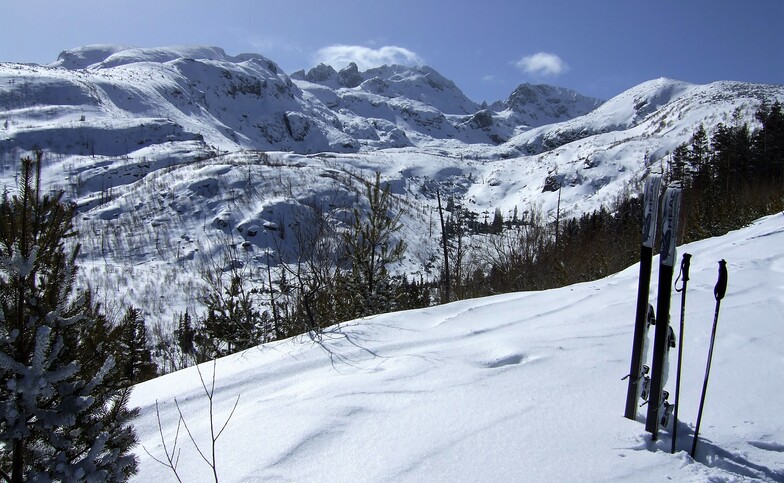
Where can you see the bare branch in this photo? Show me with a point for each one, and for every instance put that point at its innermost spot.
(229, 418)
(171, 461)
(188, 430)
(209, 392)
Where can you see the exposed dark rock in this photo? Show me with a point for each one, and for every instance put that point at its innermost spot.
(482, 119)
(349, 76)
(320, 73)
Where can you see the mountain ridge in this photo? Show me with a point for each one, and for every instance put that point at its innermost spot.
(246, 101)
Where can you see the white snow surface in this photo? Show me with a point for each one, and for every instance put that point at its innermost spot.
(517, 387)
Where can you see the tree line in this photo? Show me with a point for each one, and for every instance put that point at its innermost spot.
(729, 179)
(732, 177)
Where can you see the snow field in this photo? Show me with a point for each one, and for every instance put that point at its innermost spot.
(516, 387)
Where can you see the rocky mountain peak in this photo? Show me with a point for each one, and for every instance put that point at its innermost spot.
(541, 104)
(349, 76)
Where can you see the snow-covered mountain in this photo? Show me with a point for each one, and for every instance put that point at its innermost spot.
(660, 108)
(153, 96)
(161, 149)
(184, 157)
(533, 105)
(142, 98)
(420, 83)
(113, 101)
(517, 387)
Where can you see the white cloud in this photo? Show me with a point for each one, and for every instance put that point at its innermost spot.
(542, 63)
(338, 56)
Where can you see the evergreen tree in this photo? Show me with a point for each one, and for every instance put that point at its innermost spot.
(136, 360)
(699, 150)
(679, 164)
(184, 335)
(768, 142)
(731, 163)
(63, 407)
(498, 222)
(370, 248)
(232, 323)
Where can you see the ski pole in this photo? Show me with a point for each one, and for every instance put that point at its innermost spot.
(718, 292)
(685, 261)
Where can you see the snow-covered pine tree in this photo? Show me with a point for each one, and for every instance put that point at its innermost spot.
(63, 414)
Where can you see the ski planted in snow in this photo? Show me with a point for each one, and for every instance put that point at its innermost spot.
(638, 371)
(664, 338)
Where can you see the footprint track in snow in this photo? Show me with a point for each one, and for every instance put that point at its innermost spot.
(768, 446)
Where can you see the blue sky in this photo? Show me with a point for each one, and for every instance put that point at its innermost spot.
(487, 47)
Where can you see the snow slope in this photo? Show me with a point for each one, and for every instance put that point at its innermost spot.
(519, 387)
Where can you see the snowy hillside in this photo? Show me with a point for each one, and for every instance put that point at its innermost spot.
(519, 387)
(173, 153)
(661, 108)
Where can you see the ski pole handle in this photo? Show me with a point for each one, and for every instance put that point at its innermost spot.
(721, 285)
(683, 276)
(685, 262)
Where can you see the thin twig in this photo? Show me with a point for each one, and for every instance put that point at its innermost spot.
(171, 460)
(212, 463)
(229, 418)
(188, 430)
